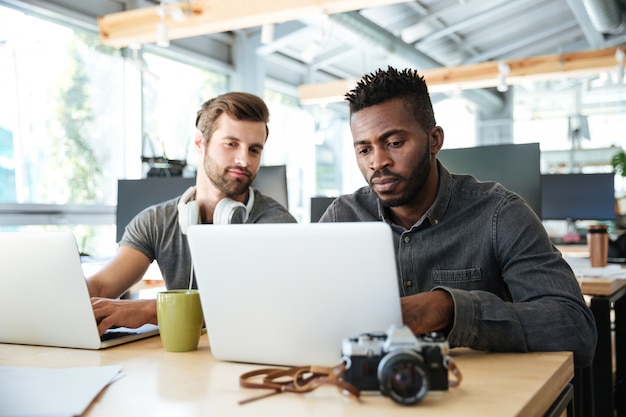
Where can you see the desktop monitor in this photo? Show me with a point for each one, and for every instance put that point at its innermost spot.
(515, 166)
(135, 195)
(319, 206)
(578, 196)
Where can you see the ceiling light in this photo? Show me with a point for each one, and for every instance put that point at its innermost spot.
(177, 14)
(503, 71)
(619, 55)
(162, 39)
(311, 51)
(267, 33)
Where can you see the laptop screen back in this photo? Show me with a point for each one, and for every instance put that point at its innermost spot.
(288, 294)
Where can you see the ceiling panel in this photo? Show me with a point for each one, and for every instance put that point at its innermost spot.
(422, 34)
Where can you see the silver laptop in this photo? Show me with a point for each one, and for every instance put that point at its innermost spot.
(44, 298)
(288, 294)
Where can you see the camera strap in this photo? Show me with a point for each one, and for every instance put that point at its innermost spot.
(302, 379)
(299, 379)
(454, 370)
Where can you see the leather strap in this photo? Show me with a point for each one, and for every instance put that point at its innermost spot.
(301, 379)
(298, 379)
(454, 370)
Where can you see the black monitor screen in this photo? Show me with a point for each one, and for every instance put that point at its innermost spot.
(135, 195)
(319, 206)
(515, 166)
(272, 181)
(578, 196)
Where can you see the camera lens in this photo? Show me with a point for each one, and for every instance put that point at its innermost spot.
(402, 376)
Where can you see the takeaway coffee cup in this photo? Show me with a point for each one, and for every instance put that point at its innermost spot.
(598, 243)
(179, 314)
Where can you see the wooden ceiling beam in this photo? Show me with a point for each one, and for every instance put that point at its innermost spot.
(485, 75)
(201, 17)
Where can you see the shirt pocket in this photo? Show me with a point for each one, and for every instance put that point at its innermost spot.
(463, 279)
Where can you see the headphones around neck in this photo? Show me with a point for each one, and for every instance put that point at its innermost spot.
(227, 210)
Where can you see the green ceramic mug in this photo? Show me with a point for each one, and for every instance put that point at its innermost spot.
(179, 314)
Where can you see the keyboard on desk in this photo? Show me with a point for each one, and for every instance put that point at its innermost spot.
(116, 333)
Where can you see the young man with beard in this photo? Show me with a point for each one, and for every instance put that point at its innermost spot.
(231, 133)
(474, 261)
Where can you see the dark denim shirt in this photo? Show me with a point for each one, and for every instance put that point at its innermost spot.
(512, 289)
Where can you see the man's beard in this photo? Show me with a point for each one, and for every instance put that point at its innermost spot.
(217, 175)
(415, 182)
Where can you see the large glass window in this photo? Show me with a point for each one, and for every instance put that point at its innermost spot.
(58, 92)
(172, 94)
(457, 117)
(577, 122)
(76, 116)
(59, 131)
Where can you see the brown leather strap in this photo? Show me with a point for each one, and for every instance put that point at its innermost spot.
(454, 370)
(298, 379)
(301, 379)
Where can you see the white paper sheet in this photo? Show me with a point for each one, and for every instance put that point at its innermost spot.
(51, 392)
(582, 269)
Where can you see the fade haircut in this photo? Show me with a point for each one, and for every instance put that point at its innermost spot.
(381, 86)
(238, 105)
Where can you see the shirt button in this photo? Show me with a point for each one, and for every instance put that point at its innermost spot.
(407, 239)
(436, 221)
(408, 283)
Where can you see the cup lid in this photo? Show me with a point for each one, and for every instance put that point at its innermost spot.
(597, 227)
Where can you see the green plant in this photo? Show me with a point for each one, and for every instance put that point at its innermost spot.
(619, 163)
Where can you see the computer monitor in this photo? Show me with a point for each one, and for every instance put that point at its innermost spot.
(135, 195)
(319, 206)
(272, 181)
(578, 196)
(516, 166)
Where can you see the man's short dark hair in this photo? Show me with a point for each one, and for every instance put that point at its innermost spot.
(381, 86)
(238, 105)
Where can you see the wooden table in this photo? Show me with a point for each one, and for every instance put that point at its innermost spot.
(159, 383)
(608, 294)
(605, 294)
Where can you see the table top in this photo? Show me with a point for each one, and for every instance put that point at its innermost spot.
(159, 383)
(600, 285)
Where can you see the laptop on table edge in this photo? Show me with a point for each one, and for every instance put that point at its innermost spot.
(44, 298)
(288, 294)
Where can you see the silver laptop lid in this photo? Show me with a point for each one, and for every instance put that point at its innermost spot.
(287, 294)
(44, 298)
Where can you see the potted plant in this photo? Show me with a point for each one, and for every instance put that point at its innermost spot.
(618, 161)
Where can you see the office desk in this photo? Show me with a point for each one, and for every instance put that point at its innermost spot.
(159, 383)
(608, 393)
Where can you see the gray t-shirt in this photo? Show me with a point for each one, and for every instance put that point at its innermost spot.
(155, 232)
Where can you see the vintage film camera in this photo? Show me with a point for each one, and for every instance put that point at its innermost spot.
(399, 364)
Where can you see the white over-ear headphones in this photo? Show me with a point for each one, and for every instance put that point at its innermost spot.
(227, 211)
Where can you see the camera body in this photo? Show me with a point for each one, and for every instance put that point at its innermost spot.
(399, 364)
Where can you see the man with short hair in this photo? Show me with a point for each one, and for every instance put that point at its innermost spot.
(231, 133)
(474, 261)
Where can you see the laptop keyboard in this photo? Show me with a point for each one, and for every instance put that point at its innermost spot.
(115, 334)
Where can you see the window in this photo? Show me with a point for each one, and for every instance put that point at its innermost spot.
(58, 88)
(172, 94)
(577, 122)
(72, 119)
(457, 117)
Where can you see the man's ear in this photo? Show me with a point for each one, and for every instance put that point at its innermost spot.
(198, 140)
(436, 139)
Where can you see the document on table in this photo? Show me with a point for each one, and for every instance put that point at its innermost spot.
(52, 392)
(582, 269)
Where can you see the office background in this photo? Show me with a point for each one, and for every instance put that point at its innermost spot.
(76, 115)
